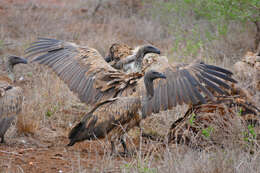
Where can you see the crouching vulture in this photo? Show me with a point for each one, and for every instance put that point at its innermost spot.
(95, 81)
(11, 96)
(114, 117)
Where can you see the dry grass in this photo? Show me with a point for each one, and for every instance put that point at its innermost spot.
(50, 109)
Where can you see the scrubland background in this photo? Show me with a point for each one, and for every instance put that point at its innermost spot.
(218, 32)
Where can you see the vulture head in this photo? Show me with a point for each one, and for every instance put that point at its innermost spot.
(143, 50)
(83, 130)
(139, 56)
(14, 60)
(119, 51)
(149, 77)
(11, 61)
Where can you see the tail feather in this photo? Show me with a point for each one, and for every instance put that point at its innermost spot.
(79, 127)
(92, 124)
(85, 129)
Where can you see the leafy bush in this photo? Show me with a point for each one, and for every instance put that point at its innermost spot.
(196, 24)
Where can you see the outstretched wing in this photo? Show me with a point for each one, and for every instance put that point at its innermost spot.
(83, 69)
(185, 83)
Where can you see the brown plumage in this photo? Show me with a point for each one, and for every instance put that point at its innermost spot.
(88, 75)
(114, 117)
(118, 52)
(211, 123)
(123, 57)
(11, 97)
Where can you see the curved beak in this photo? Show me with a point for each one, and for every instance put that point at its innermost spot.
(22, 60)
(160, 75)
(152, 49)
(18, 60)
(108, 58)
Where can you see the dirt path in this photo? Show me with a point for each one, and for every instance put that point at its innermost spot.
(83, 156)
(27, 154)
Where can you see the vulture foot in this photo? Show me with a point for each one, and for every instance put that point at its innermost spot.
(125, 153)
(2, 140)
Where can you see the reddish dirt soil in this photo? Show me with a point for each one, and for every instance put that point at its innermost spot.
(27, 154)
(51, 158)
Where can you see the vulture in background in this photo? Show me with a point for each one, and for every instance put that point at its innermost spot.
(95, 81)
(129, 60)
(118, 52)
(11, 96)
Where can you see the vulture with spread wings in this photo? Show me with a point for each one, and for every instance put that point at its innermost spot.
(88, 75)
(96, 82)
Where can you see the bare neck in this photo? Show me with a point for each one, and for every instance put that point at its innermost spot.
(149, 88)
(139, 59)
(10, 70)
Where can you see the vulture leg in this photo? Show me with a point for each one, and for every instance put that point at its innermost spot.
(124, 146)
(2, 139)
(113, 150)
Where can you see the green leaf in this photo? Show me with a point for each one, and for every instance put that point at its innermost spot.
(251, 131)
(207, 132)
(48, 113)
(192, 118)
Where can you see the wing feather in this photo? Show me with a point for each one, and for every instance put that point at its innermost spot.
(83, 69)
(186, 83)
(156, 100)
(219, 69)
(184, 92)
(174, 97)
(177, 91)
(164, 95)
(213, 79)
(170, 93)
(194, 83)
(190, 91)
(210, 84)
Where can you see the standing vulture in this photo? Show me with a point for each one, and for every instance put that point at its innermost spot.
(114, 117)
(11, 97)
(88, 75)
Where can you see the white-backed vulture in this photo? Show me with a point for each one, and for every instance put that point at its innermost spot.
(123, 57)
(88, 75)
(114, 117)
(118, 52)
(11, 97)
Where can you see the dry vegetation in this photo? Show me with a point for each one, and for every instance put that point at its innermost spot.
(50, 110)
